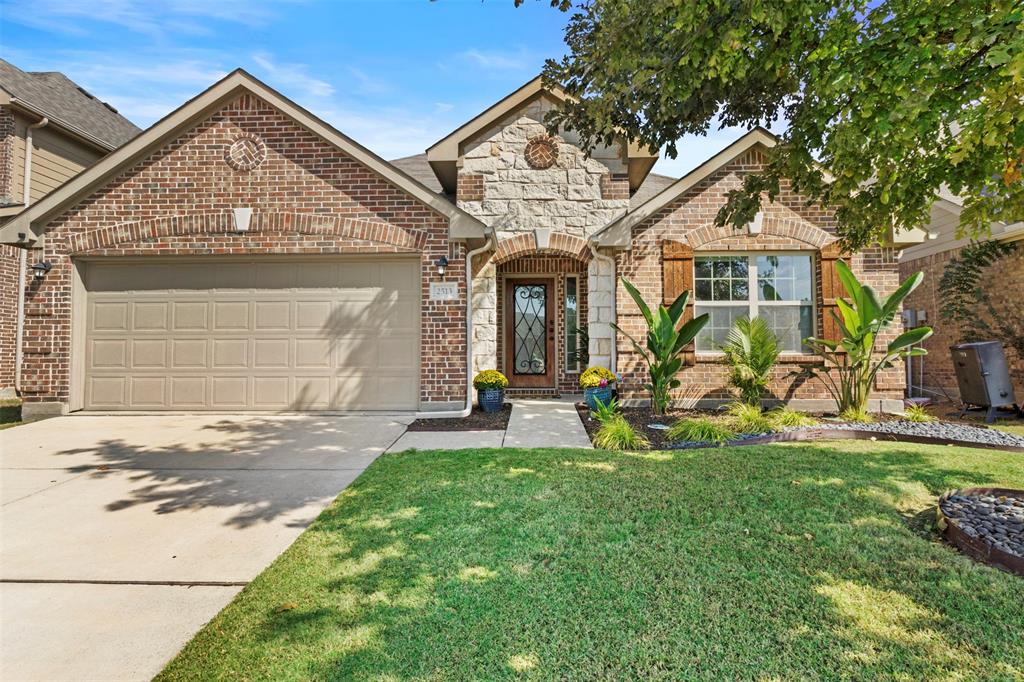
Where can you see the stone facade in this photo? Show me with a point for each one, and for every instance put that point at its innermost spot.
(547, 211)
(7, 192)
(308, 198)
(788, 225)
(9, 266)
(1004, 282)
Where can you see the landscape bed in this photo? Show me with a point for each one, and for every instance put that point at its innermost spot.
(478, 420)
(794, 561)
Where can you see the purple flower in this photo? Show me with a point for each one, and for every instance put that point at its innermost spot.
(603, 383)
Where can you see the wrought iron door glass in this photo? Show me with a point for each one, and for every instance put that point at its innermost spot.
(530, 328)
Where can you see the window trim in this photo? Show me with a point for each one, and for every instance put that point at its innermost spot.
(565, 338)
(753, 301)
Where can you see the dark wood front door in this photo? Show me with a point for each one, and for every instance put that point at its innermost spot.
(529, 341)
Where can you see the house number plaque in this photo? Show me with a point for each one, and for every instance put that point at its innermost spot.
(444, 291)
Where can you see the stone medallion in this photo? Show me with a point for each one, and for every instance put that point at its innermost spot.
(541, 152)
(246, 152)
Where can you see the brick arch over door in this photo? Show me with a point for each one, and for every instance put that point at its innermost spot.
(261, 223)
(526, 245)
(814, 237)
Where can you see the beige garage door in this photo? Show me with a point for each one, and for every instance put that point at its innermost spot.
(252, 335)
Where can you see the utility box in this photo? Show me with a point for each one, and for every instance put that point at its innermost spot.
(983, 376)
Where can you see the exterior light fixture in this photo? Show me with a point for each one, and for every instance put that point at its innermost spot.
(442, 265)
(40, 269)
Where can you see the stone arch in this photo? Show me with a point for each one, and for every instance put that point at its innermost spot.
(525, 244)
(811, 235)
(261, 223)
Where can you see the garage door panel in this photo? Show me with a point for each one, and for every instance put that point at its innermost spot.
(281, 335)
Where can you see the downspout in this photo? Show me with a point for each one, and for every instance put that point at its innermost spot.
(615, 308)
(26, 198)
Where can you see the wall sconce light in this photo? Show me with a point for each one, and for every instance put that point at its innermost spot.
(40, 269)
(442, 265)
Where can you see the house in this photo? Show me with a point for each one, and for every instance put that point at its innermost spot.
(50, 130)
(242, 254)
(934, 375)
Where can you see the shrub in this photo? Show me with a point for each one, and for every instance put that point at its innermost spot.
(851, 414)
(701, 430)
(751, 350)
(664, 343)
(593, 376)
(916, 413)
(784, 416)
(852, 358)
(489, 379)
(748, 418)
(603, 413)
(618, 434)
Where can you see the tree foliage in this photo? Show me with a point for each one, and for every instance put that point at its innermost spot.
(894, 98)
(967, 301)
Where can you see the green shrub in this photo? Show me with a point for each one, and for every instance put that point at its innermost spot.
(701, 430)
(784, 416)
(751, 350)
(617, 434)
(593, 376)
(852, 414)
(603, 413)
(489, 379)
(916, 413)
(748, 418)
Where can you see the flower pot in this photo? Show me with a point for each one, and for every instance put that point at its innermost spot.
(602, 393)
(490, 399)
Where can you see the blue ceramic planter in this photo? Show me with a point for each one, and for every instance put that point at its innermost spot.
(592, 395)
(491, 399)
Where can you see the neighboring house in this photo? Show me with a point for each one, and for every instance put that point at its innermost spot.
(933, 374)
(50, 130)
(242, 254)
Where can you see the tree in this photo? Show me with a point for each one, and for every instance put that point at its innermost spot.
(886, 102)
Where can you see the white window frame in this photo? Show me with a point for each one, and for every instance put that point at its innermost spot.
(753, 300)
(565, 337)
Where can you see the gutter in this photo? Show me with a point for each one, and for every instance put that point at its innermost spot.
(470, 255)
(26, 199)
(615, 308)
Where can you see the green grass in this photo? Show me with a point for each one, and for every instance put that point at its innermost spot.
(10, 412)
(784, 562)
(699, 430)
(1017, 429)
(615, 433)
(785, 416)
(746, 418)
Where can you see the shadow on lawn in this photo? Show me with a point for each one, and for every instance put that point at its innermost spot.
(766, 561)
(191, 475)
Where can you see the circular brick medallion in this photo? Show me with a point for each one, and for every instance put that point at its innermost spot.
(541, 152)
(246, 152)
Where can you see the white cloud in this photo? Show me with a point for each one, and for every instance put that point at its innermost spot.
(367, 84)
(499, 60)
(292, 77)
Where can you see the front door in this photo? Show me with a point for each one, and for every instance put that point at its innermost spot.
(530, 332)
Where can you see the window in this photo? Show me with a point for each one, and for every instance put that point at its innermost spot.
(778, 287)
(572, 323)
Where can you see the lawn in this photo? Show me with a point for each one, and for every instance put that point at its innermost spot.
(795, 561)
(10, 412)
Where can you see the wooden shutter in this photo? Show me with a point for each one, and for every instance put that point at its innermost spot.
(831, 289)
(677, 277)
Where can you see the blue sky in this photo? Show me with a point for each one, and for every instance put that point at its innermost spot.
(396, 75)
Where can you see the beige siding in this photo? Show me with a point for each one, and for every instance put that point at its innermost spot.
(55, 159)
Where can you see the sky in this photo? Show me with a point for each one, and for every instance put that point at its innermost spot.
(395, 75)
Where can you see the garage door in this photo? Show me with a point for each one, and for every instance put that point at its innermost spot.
(252, 335)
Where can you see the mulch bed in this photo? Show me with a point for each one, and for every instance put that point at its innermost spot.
(478, 420)
(640, 419)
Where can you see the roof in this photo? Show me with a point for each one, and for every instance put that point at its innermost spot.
(444, 154)
(418, 167)
(66, 104)
(618, 233)
(31, 221)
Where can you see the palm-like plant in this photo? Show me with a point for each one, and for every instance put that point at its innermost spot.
(751, 350)
(852, 358)
(664, 343)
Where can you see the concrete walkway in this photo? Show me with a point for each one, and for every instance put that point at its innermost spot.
(120, 536)
(547, 423)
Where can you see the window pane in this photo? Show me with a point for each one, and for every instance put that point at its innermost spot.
(791, 323)
(703, 290)
(721, 278)
(784, 278)
(571, 323)
(721, 319)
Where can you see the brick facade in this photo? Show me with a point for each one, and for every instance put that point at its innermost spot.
(789, 224)
(9, 265)
(1004, 282)
(307, 197)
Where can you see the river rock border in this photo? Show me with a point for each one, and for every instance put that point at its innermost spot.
(985, 524)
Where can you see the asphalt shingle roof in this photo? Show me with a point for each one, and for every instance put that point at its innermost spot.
(62, 100)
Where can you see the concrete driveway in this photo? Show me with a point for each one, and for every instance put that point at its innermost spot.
(120, 536)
